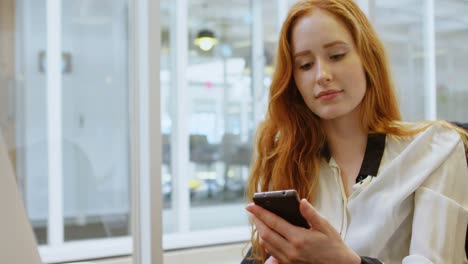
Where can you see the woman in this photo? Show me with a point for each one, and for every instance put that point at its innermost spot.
(376, 189)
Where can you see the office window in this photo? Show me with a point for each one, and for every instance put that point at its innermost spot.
(219, 112)
(209, 106)
(272, 17)
(400, 25)
(95, 102)
(87, 147)
(216, 115)
(166, 73)
(23, 103)
(451, 25)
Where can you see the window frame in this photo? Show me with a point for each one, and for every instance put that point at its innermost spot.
(145, 244)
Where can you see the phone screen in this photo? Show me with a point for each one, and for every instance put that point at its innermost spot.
(283, 203)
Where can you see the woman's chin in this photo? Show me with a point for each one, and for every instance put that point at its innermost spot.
(332, 113)
(329, 115)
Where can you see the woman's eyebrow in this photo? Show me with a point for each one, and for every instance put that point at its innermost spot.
(302, 53)
(325, 46)
(333, 43)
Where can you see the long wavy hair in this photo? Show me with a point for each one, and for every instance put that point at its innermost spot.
(290, 140)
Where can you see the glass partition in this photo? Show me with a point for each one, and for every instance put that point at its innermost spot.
(166, 84)
(451, 25)
(221, 101)
(95, 119)
(94, 105)
(220, 119)
(23, 107)
(400, 25)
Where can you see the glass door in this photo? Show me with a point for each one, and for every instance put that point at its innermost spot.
(64, 114)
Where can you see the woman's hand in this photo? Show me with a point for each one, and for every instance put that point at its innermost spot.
(291, 244)
(272, 260)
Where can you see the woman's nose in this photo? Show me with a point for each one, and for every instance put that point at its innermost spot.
(324, 76)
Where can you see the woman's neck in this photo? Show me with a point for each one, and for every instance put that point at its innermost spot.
(347, 142)
(346, 139)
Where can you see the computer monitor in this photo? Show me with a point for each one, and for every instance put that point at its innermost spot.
(17, 241)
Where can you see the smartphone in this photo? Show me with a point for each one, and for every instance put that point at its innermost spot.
(283, 203)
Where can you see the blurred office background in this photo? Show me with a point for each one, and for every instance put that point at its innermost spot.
(212, 99)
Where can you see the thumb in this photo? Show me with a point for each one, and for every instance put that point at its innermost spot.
(272, 260)
(314, 218)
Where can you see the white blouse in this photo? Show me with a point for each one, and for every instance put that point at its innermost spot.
(415, 210)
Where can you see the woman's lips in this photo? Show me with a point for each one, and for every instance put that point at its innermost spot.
(328, 95)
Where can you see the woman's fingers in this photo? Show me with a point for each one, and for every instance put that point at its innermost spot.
(272, 260)
(314, 218)
(269, 239)
(274, 222)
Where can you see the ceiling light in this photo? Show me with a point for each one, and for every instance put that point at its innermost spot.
(206, 40)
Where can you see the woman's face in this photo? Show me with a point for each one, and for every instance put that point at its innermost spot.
(326, 66)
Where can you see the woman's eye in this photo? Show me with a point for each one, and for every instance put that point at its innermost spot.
(337, 56)
(306, 66)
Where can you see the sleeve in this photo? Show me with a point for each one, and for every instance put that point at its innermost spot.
(248, 259)
(440, 216)
(368, 260)
(364, 260)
